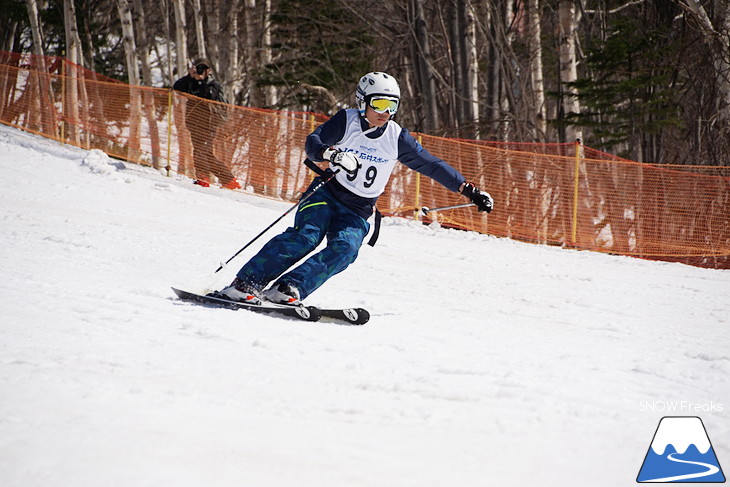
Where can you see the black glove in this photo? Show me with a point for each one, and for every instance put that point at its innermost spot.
(481, 199)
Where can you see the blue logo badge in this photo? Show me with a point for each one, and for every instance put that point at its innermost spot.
(681, 452)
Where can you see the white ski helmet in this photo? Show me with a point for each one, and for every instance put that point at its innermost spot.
(376, 83)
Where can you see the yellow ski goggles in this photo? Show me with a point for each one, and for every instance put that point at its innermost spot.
(384, 104)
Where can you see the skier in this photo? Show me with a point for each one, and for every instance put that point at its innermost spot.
(362, 146)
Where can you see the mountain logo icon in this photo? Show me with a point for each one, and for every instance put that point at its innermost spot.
(681, 452)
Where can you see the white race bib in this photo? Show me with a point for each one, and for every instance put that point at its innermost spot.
(376, 157)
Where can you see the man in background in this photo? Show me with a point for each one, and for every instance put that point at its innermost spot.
(202, 120)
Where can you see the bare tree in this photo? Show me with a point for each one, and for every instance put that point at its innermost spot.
(130, 50)
(471, 86)
(44, 84)
(717, 39)
(258, 52)
(130, 45)
(568, 21)
(149, 99)
(169, 73)
(423, 63)
(143, 44)
(251, 49)
(462, 64)
(36, 28)
(267, 55)
(75, 55)
(213, 32)
(223, 45)
(505, 101)
(463, 85)
(536, 71)
(181, 37)
(233, 76)
(73, 41)
(199, 31)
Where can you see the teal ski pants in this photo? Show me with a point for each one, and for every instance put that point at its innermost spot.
(320, 216)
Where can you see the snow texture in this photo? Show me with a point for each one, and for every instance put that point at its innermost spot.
(486, 361)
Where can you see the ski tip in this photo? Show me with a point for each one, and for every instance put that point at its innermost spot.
(356, 316)
(363, 316)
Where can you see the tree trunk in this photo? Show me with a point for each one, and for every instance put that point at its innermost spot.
(87, 38)
(252, 37)
(73, 41)
(493, 71)
(270, 94)
(130, 50)
(505, 107)
(199, 32)
(464, 69)
(130, 45)
(36, 30)
(422, 60)
(471, 88)
(170, 71)
(718, 42)
(455, 116)
(181, 38)
(234, 77)
(143, 46)
(149, 97)
(73, 54)
(538, 86)
(213, 45)
(48, 114)
(8, 37)
(568, 20)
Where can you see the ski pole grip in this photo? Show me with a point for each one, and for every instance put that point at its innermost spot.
(426, 209)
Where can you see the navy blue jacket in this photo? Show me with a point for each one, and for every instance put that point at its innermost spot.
(410, 153)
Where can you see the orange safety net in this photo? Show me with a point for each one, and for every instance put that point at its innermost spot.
(556, 194)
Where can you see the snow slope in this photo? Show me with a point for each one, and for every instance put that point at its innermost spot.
(486, 361)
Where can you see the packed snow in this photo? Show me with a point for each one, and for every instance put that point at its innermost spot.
(486, 361)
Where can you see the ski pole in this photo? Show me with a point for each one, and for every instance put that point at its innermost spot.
(314, 190)
(426, 209)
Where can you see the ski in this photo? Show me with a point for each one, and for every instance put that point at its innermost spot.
(307, 313)
(353, 316)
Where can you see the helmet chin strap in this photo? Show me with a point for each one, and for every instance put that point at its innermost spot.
(372, 129)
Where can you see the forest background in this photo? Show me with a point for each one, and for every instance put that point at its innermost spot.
(648, 80)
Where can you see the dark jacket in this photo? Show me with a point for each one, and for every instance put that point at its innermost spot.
(208, 89)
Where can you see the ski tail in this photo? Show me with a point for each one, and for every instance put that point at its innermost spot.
(355, 316)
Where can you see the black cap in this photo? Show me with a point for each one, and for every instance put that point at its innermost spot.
(202, 62)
